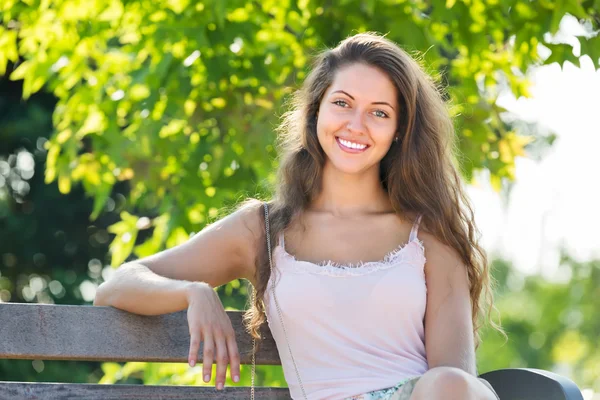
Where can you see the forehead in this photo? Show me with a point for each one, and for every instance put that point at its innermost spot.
(366, 82)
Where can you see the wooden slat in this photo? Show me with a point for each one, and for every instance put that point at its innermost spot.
(53, 332)
(56, 391)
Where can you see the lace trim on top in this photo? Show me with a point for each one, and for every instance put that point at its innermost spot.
(395, 257)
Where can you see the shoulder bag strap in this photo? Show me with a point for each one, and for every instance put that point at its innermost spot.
(268, 233)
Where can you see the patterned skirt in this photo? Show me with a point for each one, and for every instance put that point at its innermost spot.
(400, 391)
(403, 390)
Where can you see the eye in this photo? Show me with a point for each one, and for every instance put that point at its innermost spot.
(381, 114)
(341, 103)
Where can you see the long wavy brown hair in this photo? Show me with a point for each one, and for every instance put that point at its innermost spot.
(418, 172)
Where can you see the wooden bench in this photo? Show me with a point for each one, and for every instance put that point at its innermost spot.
(51, 332)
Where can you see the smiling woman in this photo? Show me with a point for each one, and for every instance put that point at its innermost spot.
(365, 263)
(357, 116)
(366, 157)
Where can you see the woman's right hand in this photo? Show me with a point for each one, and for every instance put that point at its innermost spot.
(208, 322)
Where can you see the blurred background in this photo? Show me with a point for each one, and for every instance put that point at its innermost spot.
(126, 126)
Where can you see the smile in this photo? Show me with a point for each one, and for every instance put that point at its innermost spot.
(351, 147)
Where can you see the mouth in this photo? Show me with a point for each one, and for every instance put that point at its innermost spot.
(351, 147)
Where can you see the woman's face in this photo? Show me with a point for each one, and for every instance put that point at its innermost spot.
(357, 118)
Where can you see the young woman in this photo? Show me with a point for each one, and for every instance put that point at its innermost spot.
(375, 284)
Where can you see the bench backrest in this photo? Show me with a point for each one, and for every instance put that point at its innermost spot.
(49, 332)
(53, 332)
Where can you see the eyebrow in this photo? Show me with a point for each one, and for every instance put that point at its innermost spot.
(375, 102)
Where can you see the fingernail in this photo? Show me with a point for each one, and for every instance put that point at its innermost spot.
(219, 386)
(236, 378)
(192, 363)
(206, 378)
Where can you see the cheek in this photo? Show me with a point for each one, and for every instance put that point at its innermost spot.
(384, 140)
(383, 131)
(327, 124)
(321, 130)
(385, 136)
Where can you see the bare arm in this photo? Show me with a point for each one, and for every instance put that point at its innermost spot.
(158, 284)
(135, 288)
(448, 323)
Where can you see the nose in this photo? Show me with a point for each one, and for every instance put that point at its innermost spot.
(356, 123)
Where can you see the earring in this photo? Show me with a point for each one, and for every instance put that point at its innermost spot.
(396, 139)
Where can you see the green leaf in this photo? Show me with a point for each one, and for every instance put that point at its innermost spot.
(126, 232)
(102, 195)
(591, 47)
(156, 242)
(20, 71)
(111, 373)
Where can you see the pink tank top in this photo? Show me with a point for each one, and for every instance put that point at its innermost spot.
(352, 329)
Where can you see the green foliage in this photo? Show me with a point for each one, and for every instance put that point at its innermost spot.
(182, 374)
(551, 325)
(48, 248)
(179, 98)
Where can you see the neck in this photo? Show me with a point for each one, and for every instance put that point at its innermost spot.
(350, 194)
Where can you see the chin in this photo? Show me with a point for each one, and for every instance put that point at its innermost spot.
(350, 168)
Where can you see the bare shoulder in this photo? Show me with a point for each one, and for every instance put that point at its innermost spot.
(442, 259)
(250, 215)
(247, 224)
(221, 252)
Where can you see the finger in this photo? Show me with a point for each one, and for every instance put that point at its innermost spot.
(209, 351)
(194, 347)
(222, 360)
(234, 358)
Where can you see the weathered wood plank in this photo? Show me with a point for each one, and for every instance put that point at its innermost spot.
(62, 391)
(63, 332)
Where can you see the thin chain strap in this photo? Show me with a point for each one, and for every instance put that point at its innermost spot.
(253, 354)
(266, 206)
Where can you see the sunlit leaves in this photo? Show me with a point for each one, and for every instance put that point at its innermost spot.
(112, 373)
(570, 348)
(125, 232)
(103, 192)
(95, 122)
(177, 236)
(156, 242)
(555, 330)
(8, 48)
(182, 374)
(511, 146)
(174, 127)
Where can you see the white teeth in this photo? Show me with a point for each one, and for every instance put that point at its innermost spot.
(352, 145)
